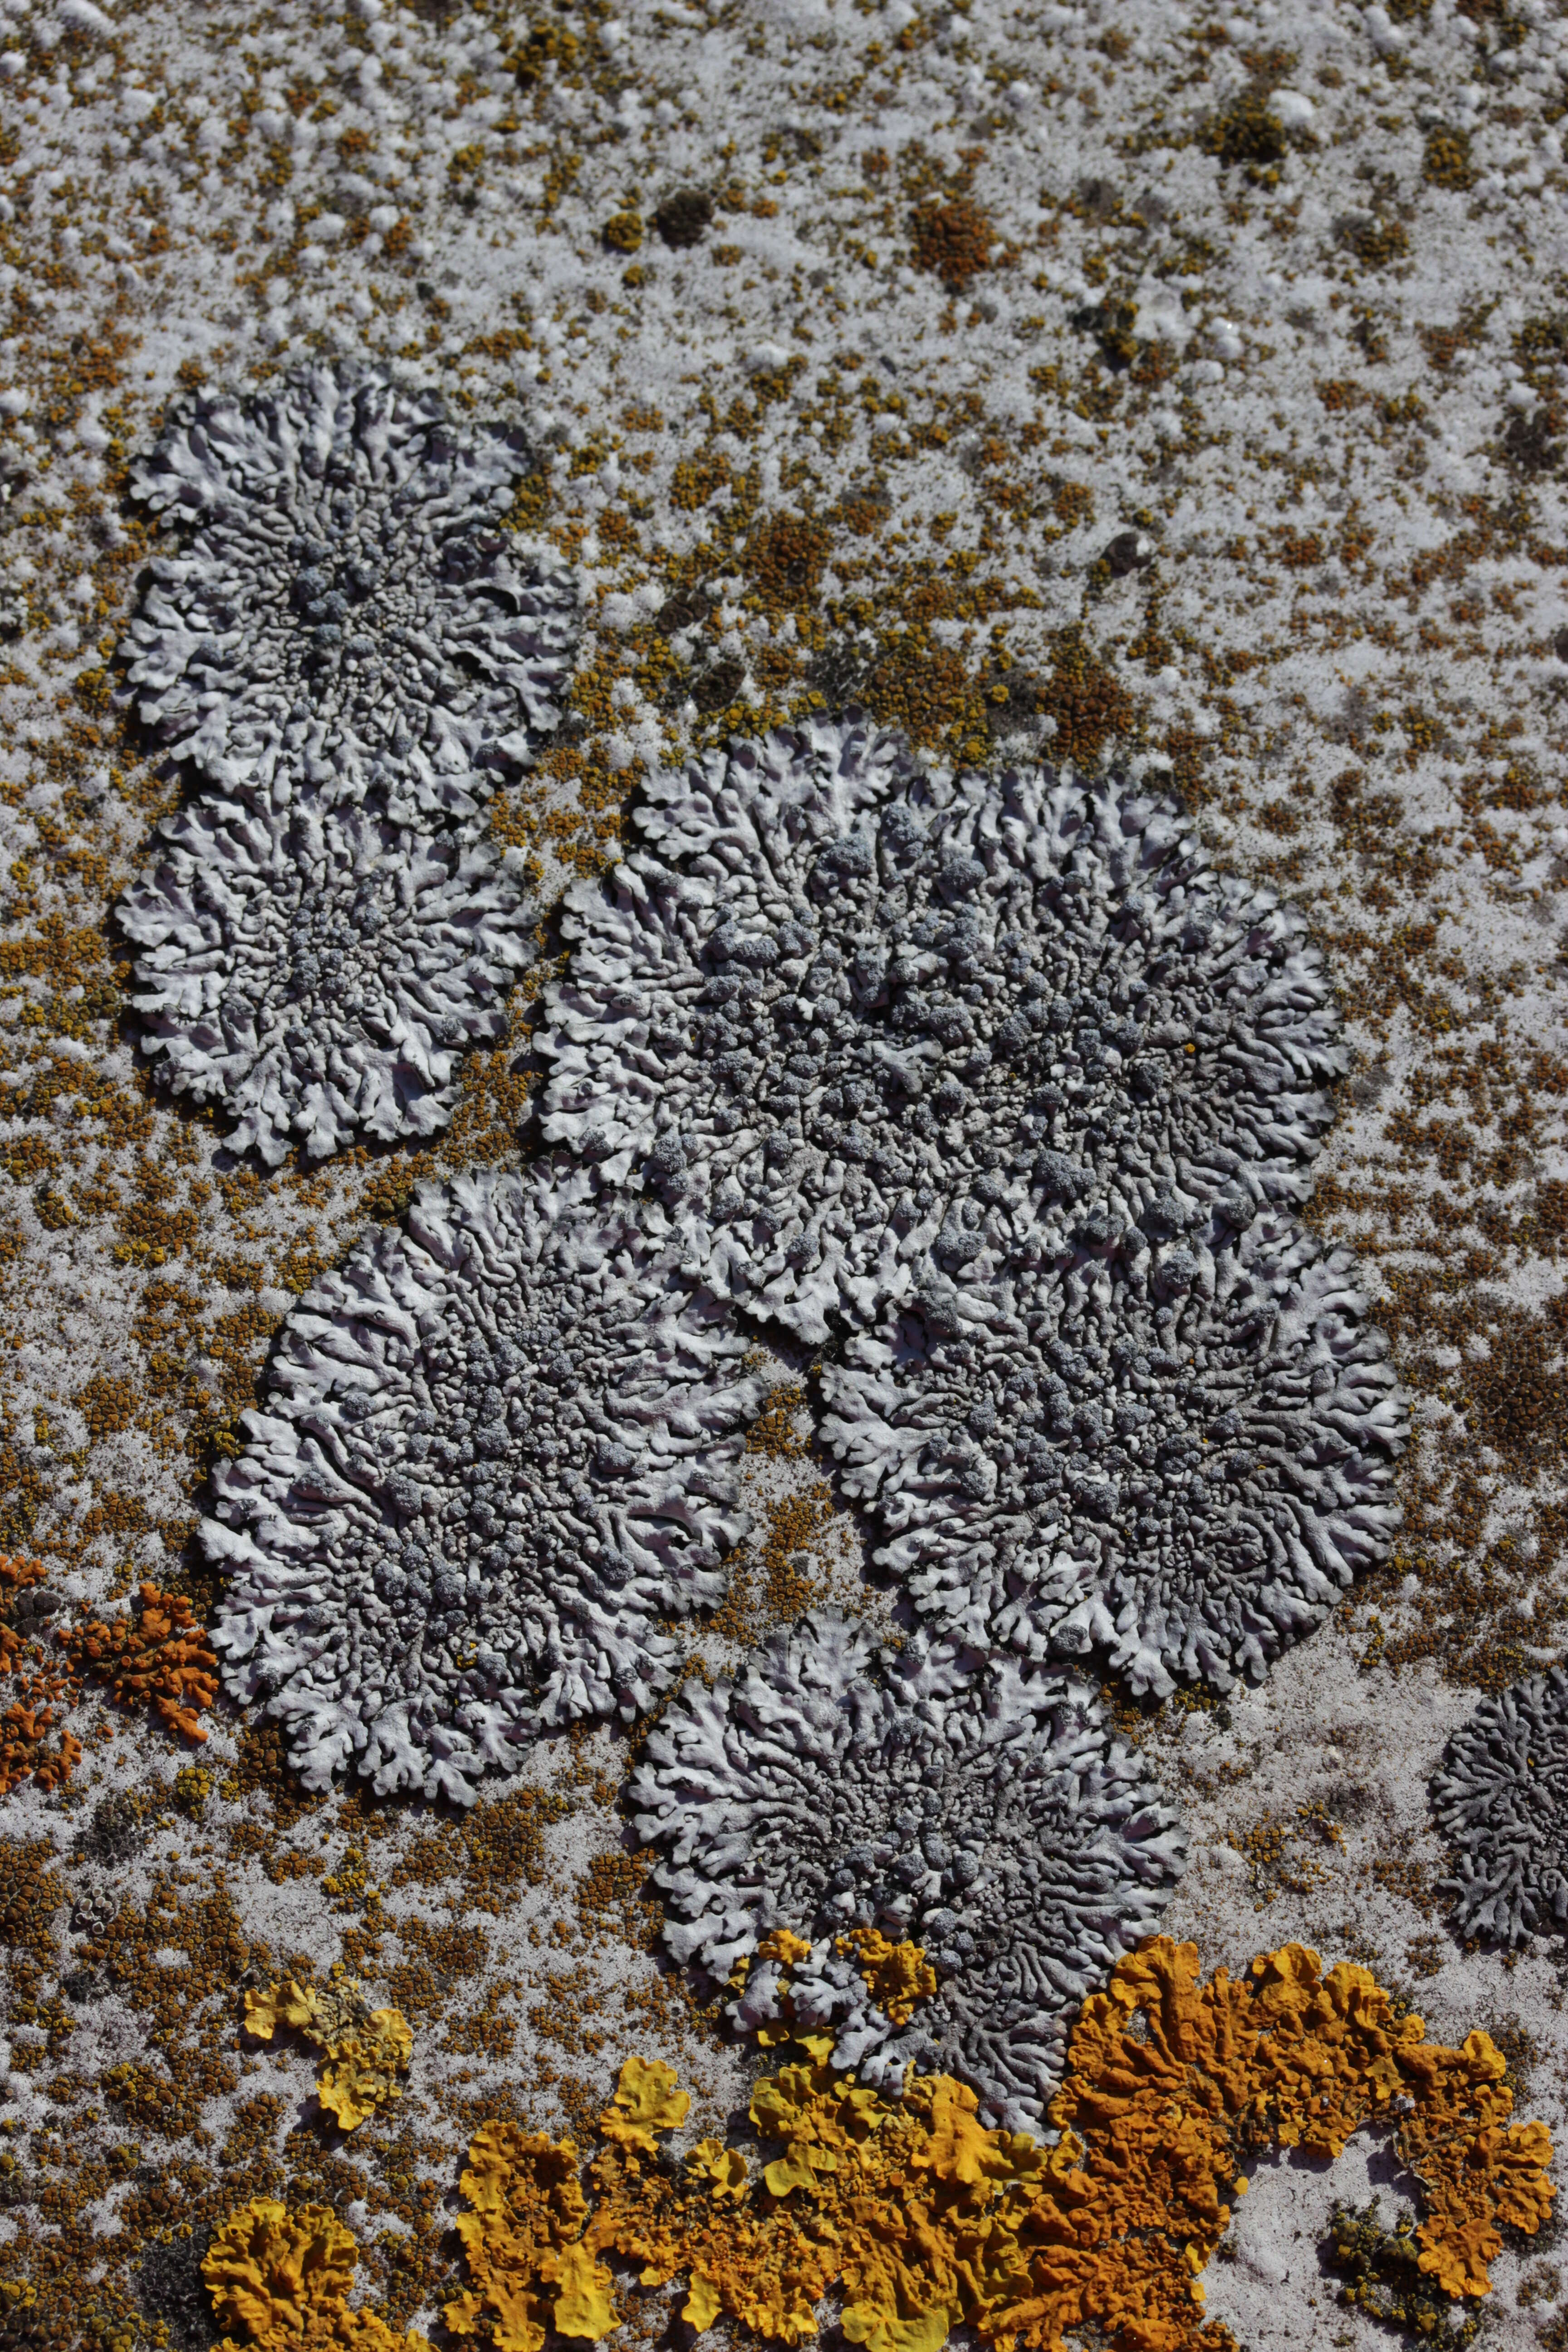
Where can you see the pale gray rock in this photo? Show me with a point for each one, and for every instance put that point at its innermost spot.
(1173, 1456)
(978, 1809)
(1499, 1798)
(844, 1014)
(347, 611)
(497, 1450)
(316, 973)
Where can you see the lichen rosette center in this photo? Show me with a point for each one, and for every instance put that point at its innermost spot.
(1176, 1456)
(844, 1014)
(498, 1449)
(980, 1811)
(346, 612)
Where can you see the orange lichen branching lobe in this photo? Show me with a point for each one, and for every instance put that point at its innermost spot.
(364, 2050)
(646, 2103)
(781, 1943)
(527, 2266)
(157, 1657)
(924, 2219)
(32, 1715)
(896, 1975)
(1479, 2171)
(280, 2280)
(1288, 2057)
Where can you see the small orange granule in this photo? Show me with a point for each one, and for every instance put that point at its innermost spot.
(33, 1716)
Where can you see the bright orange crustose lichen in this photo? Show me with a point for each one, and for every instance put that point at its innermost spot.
(281, 2279)
(158, 1657)
(923, 2220)
(364, 2050)
(33, 1713)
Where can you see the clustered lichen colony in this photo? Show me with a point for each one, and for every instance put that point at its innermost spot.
(993, 1074)
(919, 2218)
(348, 656)
(848, 979)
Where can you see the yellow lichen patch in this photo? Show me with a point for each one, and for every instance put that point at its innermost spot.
(528, 2209)
(364, 2050)
(647, 2101)
(924, 2219)
(781, 1943)
(723, 2169)
(896, 1975)
(281, 2279)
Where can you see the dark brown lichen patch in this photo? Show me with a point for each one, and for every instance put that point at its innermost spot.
(785, 557)
(1489, 1601)
(262, 1768)
(1247, 134)
(684, 218)
(1445, 161)
(1089, 703)
(31, 1897)
(438, 1963)
(951, 240)
(611, 1897)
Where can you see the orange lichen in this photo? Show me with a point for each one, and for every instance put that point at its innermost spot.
(281, 2279)
(896, 1975)
(364, 2050)
(33, 1714)
(157, 1657)
(925, 2220)
(781, 1943)
(528, 2211)
(646, 2103)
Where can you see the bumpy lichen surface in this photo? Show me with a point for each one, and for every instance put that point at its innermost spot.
(982, 1811)
(345, 613)
(316, 971)
(281, 2279)
(364, 2050)
(843, 1012)
(1501, 1798)
(1175, 1454)
(497, 1449)
(924, 2220)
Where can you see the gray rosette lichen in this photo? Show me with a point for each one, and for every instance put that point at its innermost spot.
(980, 1811)
(317, 972)
(843, 1013)
(345, 611)
(1172, 1455)
(497, 1450)
(1499, 1798)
